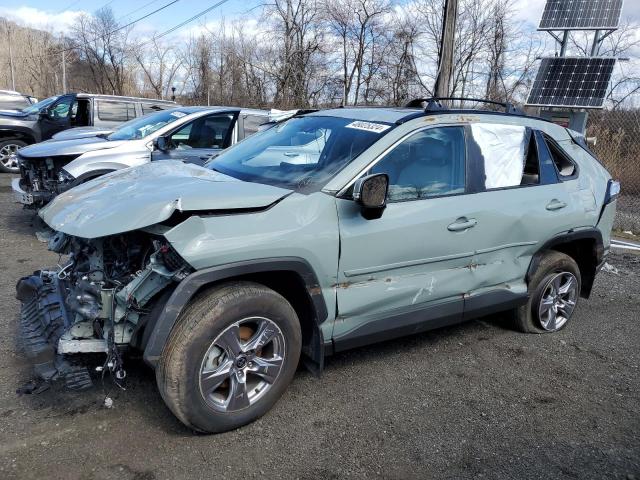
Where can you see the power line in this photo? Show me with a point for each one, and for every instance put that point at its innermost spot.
(138, 9)
(182, 24)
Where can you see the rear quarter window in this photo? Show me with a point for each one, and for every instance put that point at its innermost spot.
(565, 165)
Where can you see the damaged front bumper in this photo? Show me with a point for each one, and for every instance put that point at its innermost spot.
(29, 198)
(43, 322)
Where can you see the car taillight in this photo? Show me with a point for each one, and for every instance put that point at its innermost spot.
(613, 190)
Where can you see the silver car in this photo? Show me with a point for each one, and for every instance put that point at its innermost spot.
(191, 134)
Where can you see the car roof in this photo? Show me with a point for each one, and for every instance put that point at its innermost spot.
(118, 97)
(217, 108)
(369, 114)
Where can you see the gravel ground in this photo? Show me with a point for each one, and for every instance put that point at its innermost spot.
(472, 401)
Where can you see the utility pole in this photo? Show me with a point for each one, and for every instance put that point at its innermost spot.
(64, 64)
(445, 57)
(13, 76)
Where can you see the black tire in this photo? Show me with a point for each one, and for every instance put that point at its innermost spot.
(8, 144)
(526, 318)
(208, 315)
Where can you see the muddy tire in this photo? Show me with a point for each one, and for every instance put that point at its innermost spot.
(554, 290)
(230, 357)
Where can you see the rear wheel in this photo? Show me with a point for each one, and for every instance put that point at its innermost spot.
(8, 158)
(231, 356)
(554, 290)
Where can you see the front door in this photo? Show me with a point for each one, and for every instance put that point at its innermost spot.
(408, 270)
(57, 117)
(198, 140)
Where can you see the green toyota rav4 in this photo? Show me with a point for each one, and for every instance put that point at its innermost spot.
(331, 230)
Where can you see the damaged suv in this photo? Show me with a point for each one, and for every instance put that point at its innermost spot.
(331, 230)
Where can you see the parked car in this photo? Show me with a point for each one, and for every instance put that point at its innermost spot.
(404, 220)
(192, 134)
(42, 120)
(11, 100)
(83, 132)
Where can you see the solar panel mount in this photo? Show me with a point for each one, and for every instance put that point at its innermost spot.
(574, 82)
(581, 15)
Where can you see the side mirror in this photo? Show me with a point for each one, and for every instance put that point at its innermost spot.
(370, 193)
(161, 143)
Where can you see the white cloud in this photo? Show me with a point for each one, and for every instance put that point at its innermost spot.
(35, 18)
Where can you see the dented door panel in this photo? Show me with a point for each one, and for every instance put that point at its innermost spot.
(407, 259)
(512, 225)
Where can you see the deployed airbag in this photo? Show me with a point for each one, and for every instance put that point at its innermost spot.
(503, 149)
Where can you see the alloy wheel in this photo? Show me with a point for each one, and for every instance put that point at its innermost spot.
(558, 301)
(8, 156)
(242, 364)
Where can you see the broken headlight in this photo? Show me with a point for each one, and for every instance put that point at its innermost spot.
(65, 177)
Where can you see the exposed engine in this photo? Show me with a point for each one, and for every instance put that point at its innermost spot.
(97, 301)
(44, 178)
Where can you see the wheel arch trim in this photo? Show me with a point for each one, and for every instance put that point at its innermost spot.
(567, 239)
(190, 286)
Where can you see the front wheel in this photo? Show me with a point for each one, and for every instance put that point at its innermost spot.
(554, 290)
(8, 158)
(230, 358)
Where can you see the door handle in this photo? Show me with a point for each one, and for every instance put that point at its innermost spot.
(291, 154)
(555, 205)
(462, 223)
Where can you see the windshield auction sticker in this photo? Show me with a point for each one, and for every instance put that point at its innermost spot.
(178, 114)
(369, 126)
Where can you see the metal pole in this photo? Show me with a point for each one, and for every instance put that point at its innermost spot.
(445, 58)
(13, 76)
(595, 46)
(64, 65)
(563, 44)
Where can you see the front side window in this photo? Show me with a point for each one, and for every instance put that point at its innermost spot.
(429, 163)
(302, 153)
(61, 109)
(144, 126)
(207, 132)
(115, 111)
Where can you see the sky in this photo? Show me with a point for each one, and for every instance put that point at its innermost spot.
(58, 15)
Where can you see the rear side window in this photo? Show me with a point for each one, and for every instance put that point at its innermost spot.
(429, 163)
(565, 166)
(251, 124)
(153, 108)
(116, 111)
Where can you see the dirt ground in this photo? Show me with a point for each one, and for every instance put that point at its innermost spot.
(471, 401)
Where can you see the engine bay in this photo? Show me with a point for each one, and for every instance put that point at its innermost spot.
(97, 300)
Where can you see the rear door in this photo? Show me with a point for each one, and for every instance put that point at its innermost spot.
(199, 139)
(518, 205)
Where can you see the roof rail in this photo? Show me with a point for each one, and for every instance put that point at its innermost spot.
(434, 104)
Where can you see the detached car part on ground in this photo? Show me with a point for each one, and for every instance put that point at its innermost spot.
(52, 115)
(191, 134)
(329, 231)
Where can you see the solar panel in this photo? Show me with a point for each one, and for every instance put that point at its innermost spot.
(572, 82)
(580, 14)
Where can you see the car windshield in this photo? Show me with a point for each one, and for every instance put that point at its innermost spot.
(42, 104)
(146, 125)
(302, 153)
